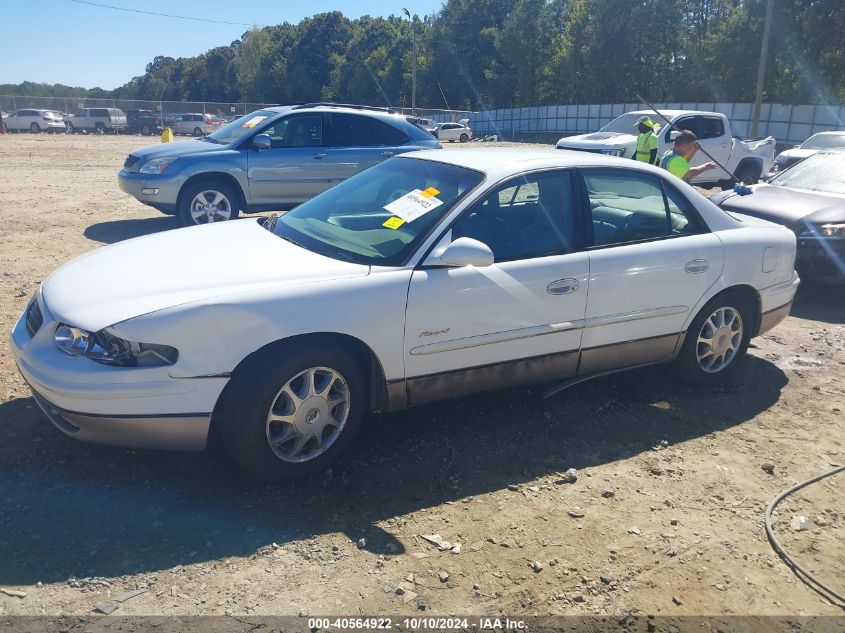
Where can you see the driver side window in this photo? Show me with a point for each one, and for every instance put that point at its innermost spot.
(527, 217)
(297, 131)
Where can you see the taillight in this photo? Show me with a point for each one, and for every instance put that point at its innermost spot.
(44, 117)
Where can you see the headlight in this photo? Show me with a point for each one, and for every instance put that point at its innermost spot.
(832, 230)
(156, 165)
(617, 151)
(111, 350)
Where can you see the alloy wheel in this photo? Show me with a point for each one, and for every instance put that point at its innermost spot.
(719, 339)
(308, 414)
(210, 206)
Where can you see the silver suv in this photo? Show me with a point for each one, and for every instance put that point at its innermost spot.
(97, 120)
(274, 158)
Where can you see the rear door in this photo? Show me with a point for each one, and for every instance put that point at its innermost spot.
(651, 261)
(358, 141)
(295, 168)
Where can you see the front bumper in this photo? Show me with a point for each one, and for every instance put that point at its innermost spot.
(158, 191)
(132, 407)
(821, 259)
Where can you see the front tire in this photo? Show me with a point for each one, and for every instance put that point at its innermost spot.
(197, 131)
(207, 202)
(748, 174)
(146, 131)
(35, 128)
(716, 343)
(290, 410)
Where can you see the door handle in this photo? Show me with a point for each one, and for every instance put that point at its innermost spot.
(697, 266)
(387, 154)
(562, 287)
(318, 155)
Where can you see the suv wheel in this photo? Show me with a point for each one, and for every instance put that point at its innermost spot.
(69, 127)
(288, 413)
(207, 202)
(145, 130)
(100, 129)
(35, 128)
(197, 131)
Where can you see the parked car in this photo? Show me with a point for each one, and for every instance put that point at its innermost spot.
(453, 132)
(274, 158)
(822, 140)
(194, 124)
(747, 160)
(427, 124)
(428, 276)
(34, 121)
(809, 199)
(144, 122)
(98, 120)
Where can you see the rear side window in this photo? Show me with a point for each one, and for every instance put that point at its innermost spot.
(99, 112)
(353, 130)
(628, 206)
(711, 127)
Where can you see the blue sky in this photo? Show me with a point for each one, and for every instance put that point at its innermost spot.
(61, 41)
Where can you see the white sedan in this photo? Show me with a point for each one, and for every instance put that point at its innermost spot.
(428, 276)
(452, 132)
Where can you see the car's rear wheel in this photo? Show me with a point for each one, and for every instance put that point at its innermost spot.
(717, 340)
(35, 128)
(207, 202)
(197, 131)
(69, 127)
(145, 130)
(100, 129)
(464, 138)
(290, 411)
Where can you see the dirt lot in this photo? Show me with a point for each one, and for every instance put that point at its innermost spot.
(666, 515)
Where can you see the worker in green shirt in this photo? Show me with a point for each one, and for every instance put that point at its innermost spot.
(676, 161)
(646, 141)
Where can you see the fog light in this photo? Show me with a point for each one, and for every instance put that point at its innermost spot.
(150, 191)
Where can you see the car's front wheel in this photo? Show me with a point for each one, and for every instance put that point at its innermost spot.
(100, 129)
(207, 202)
(146, 130)
(290, 411)
(35, 128)
(197, 131)
(717, 340)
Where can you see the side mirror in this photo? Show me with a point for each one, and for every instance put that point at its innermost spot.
(464, 251)
(797, 146)
(262, 141)
(673, 135)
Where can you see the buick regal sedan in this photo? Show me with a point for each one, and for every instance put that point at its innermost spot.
(428, 276)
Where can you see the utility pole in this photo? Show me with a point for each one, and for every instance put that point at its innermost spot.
(761, 69)
(413, 63)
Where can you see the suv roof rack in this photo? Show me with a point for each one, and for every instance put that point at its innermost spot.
(342, 105)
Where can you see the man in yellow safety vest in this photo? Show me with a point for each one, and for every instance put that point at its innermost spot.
(646, 141)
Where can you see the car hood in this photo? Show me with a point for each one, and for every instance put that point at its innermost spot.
(154, 272)
(179, 148)
(787, 206)
(796, 154)
(597, 139)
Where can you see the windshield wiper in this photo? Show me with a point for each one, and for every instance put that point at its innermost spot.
(212, 140)
(269, 222)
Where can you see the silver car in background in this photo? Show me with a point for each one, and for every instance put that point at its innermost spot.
(35, 121)
(272, 159)
(195, 124)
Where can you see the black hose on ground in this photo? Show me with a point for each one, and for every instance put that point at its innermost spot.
(802, 573)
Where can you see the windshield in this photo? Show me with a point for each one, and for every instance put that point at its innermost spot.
(379, 216)
(824, 172)
(627, 124)
(239, 128)
(824, 141)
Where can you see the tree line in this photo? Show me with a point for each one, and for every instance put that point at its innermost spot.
(482, 54)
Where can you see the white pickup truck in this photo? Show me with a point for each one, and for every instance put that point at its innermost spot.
(748, 160)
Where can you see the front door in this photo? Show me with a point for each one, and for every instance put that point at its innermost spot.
(652, 261)
(518, 320)
(294, 169)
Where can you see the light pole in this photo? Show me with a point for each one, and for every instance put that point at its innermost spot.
(761, 69)
(413, 64)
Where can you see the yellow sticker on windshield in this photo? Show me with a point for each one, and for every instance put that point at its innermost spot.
(253, 121)
(393, 223)
(430, 192)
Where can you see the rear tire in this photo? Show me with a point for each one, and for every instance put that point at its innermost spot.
(145, 130)
(207, 201)
(716, 342)
(197, 131)
(100, 129)
(464, 138)
(35, 128)
(291, 410)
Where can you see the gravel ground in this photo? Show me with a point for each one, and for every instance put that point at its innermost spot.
(665, 515)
